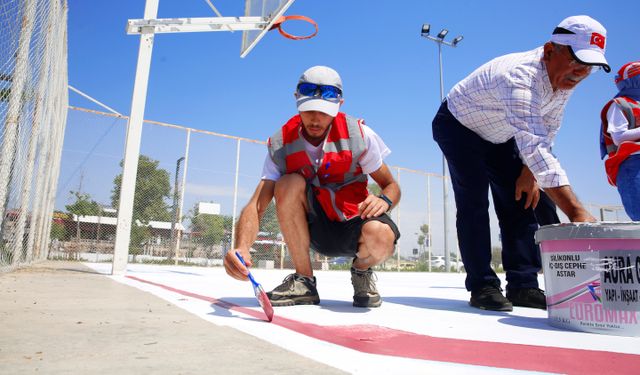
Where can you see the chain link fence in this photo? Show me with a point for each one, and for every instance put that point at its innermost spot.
(33, 108)
(190, 188)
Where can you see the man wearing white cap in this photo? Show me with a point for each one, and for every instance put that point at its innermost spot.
(496, 129)
(317, 169)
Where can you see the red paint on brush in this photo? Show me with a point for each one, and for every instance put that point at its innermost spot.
(266, 304)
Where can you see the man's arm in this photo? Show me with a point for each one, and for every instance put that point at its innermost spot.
(564, 198)
(247, 229)
(374, 206)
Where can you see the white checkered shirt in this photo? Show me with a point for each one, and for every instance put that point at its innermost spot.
(511, 96)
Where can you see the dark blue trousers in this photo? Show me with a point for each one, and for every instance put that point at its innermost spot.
(477, 166)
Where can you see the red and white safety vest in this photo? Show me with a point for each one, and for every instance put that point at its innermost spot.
(338, 182)
(617, 154)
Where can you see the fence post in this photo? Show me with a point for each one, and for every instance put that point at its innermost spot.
(429, 223)
(398, 220)
(235, 196)
(182, 188)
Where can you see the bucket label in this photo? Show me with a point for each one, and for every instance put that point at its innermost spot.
(620, 280)
(593, 290)
(568, 266)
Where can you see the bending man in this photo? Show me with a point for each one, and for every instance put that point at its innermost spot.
(496, 129)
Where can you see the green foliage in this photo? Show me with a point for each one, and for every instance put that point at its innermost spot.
(496, 258)
(6, 255)
(4, 94)
(83, 205)
(269, 222)
(153, 188)
(422, 241)
(211, 228)
(58, 231)
(340, 267)
(139, 236)
(374, 189)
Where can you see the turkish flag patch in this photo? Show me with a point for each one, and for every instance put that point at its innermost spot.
(597, 39)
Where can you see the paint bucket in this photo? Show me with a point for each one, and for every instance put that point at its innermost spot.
(592, 276)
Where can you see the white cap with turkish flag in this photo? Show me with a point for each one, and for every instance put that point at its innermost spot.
(586, 38)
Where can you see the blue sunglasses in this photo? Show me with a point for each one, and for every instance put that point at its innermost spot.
(325, 91)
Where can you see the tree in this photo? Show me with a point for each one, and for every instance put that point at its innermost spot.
(374, 189)
(496, 257)
(269, 222)
(423, 240)
(211, 229)
(153, 189)
(83, 206)
(58, 231)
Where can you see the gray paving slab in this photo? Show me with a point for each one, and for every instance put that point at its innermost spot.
(64, 318)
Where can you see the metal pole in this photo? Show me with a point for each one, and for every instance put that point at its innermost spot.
(282, 255)
(398, 220)
(132, 146)
(445, 173)
(175, 213)
(429, 222)
(182, 188)
(97, 248)
(235, 196)
(439, 40)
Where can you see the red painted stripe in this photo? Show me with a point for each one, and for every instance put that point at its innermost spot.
(387, 341)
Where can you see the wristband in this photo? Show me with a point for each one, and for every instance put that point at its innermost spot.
(387, 200)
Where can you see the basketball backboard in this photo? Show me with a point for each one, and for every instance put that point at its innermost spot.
(270, 11)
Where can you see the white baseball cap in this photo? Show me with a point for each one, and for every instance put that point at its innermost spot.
(322, 76)
(586, 39)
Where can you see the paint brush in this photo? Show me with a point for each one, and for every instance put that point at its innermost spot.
(262, 297)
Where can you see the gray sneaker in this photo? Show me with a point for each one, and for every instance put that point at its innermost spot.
(295, 290)
(365, 293)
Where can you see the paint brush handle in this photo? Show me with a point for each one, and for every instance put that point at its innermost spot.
(253, 281)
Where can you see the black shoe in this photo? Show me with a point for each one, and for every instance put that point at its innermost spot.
(489, 297)
(365, 293)
(527, 297)
(295, 290)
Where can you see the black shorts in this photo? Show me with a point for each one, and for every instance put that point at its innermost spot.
(337, 238)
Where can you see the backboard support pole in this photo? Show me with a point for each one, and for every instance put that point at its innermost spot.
(147, 28)
(132, 144)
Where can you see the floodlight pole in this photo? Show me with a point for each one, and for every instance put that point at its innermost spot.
(439, 40)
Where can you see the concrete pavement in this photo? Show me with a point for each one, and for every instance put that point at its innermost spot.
(64, 318)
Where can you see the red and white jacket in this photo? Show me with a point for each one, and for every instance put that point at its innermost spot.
(617, 154)
(338, 182)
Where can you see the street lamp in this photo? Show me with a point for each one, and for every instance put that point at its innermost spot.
(439, 40)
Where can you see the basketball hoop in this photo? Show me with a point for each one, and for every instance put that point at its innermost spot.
(282, 19)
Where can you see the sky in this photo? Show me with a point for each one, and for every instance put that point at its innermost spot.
(390, 73)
